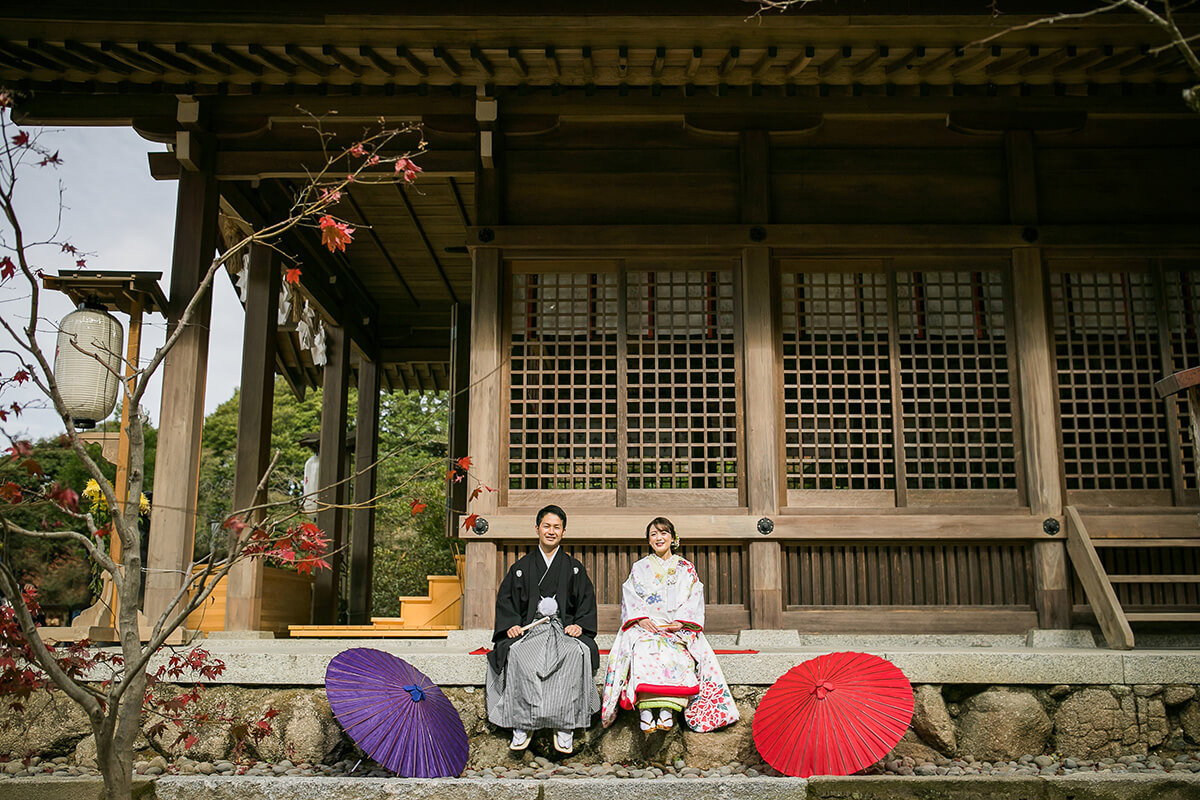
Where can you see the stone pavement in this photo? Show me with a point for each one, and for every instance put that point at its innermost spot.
(1068, 787)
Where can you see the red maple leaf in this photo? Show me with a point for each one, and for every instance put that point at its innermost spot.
(7, 268)
(464, 463)
(20, 376)
(21, 139)
(292, 275)
(51, 159)
(65, 496)
(478, 491)
(81, 263)
(469, 522)
(334, 234)
(417, 507)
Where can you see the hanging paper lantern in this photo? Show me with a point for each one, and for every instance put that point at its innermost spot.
(87, 363)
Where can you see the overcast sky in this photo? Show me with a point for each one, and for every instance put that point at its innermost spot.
(124, 219)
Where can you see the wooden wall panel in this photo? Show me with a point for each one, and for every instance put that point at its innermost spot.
(908, 575)
(896, 185)
(1096, 185)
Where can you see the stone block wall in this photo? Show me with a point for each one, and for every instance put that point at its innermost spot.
(991, 723)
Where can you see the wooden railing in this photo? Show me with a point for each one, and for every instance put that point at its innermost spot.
(1136, 568)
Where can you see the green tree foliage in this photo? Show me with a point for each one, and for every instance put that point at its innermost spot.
(412, 454)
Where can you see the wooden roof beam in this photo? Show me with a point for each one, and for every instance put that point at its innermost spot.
(765, 62)
(934, 64)
(7, 57)
(97, 57)
(307, 61)
(429, 250)
(272, 60)
(660, 60)
(552, 63)
(1011, 61)
(411, 62)
(1117, 60)
(694, 62)
(589, 68)
(375, 59)
(517, 63)
(481, 62)
(447, 62)
(833, 62)
(168, 59)
(905, 61)
(31, 56)
(1084, 60)
(132, 57)
(69, 60)
(387, 256)
(881, 52)
(1048, 61)
(800, 62)
(729, 62)
(623, 62)
(975, 60)
(205, 60)
(235, 59)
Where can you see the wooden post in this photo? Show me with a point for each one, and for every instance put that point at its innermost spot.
(484, 427)
(1037, 387)
(762, 381)
(332, 455)
(177, 471)
(256, 399)
(460, 399)
(362, 528)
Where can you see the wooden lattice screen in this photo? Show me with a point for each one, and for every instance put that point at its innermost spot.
(622, 385)
(878, 351)
(1120, 325)
(1162, 596)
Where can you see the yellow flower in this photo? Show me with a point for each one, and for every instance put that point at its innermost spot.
(143, 505)
(92, 493)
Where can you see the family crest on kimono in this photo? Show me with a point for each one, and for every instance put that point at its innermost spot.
(544, 655)
(660, 660)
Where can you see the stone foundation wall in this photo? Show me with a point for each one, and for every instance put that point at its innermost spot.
(990, 723)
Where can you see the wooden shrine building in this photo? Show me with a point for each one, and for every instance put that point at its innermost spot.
(871, 308)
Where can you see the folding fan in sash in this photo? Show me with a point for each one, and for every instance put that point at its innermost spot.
(833, 715)
(396, 715)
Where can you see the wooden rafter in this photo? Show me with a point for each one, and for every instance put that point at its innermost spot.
(905, 61)
(443, 57)
(976, 60)
(204, 60)
(132, 57)
(517, 63)
(272, 60)
(97, 57)
(481, 62)
(429, 250)
(411, 62)
(800, 62)
(375, 59)
(307, 60)
(832, 63)
(166, 58)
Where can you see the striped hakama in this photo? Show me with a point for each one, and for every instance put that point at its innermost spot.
(547, 682)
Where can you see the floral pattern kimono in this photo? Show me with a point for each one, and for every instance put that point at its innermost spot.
(680, 664)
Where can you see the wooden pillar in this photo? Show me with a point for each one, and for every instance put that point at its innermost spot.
(362, 527)
(484, 431)
(243, 605)
(460, 398)
(330, 484)
(177, 472)
(762, 382)
(1037, 387)
(486, 349)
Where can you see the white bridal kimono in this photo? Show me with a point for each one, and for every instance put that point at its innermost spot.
(679, 664)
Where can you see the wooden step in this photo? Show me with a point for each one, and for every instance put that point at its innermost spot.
(1163, 616)
(1154, 578)
(366, 632)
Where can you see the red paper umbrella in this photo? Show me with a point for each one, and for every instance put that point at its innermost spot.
(833, 715)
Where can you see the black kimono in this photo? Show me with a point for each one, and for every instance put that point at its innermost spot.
(526, 583)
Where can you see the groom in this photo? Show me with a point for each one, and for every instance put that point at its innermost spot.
(540, 675)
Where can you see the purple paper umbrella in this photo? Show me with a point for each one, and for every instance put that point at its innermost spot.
(396, 715)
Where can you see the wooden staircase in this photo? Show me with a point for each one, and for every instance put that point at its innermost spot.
(426, 616)
(1164, 597)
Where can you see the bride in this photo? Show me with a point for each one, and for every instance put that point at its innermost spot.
(660, 661)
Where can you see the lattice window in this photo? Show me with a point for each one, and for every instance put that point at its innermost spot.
(1109, 357)
(954, 381)
(563, 418)
(1183, 324)
(682, 423)
(837, 391)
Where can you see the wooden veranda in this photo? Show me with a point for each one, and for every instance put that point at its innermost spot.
(861, 303)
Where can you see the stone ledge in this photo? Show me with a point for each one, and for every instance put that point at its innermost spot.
(50, 788)
(291, 663)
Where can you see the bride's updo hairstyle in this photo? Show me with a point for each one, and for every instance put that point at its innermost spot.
(666, 525)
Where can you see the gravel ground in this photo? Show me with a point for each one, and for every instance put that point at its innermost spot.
(541, 768)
